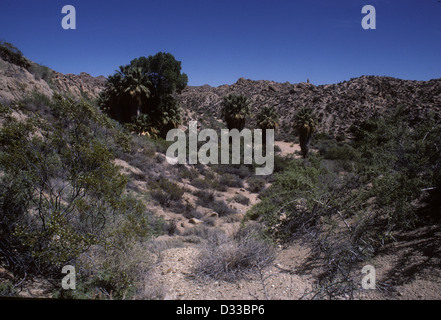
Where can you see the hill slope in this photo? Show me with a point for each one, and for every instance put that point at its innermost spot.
(338, 105)
(17, 82)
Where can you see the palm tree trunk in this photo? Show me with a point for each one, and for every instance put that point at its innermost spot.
(305, 140)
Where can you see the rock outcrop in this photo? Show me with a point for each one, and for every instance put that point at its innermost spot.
(82, 85)
(17, 83)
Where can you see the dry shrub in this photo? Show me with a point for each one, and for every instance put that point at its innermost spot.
(230, 259)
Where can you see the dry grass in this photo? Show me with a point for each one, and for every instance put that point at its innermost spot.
(230, 259)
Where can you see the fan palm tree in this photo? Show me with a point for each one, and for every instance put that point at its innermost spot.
(134, 83)
(169, 114)
(305, 122)
(235, 109)
(267, 118)
(128, 87)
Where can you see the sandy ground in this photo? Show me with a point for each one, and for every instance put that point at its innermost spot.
(287, 148)
(174, 274)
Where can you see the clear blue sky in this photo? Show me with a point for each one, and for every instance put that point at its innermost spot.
(222, 40)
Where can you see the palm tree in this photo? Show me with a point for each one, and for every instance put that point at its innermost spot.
(134, 83)
(168, 114)
(146, 87)
(305, 122)
(235, 109)
(267, 118)
(128, 87)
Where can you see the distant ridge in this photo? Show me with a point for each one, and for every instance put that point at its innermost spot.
(337, 105)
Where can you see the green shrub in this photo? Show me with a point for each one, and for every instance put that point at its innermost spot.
(239, 198)
(190, 174)
(206, 196)
(230, 180)
(222, 208)
(7, 289)
(166, 191)
(207, 199)
(41, 72)
(256, 184)
(10, 53)
(60, 191)
(200, 183)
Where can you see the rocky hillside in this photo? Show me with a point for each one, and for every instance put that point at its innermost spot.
(338, 105)
(78, 85)
(17, 82)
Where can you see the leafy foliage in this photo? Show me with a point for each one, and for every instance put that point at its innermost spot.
(235, 109)
(146, 87)
(60, 192)
(391, 187)
(267, 118)
(166, 191)
(10, 53)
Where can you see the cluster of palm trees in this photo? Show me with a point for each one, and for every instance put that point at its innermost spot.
(236, 108)
(134, 96)
(141, 95)
(128, 87)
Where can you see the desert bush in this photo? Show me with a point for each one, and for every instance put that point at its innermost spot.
(204, 232)
(347, 218)
(189, 211)
(344, 152)
(10, 53)
(222, 208)
(243, 171)
(201, 183)
(144, 159)
(41, 72)
(62, 172)
(230, 259)
(7, 290)
(256, 184)
(230, 180)
(61, 194)
(165, 191)
(190, 174)
(114, 273)
(36, 102)
(161, 145)
(205, 196)
(280, 163)
(154, 289)
(239, 198)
